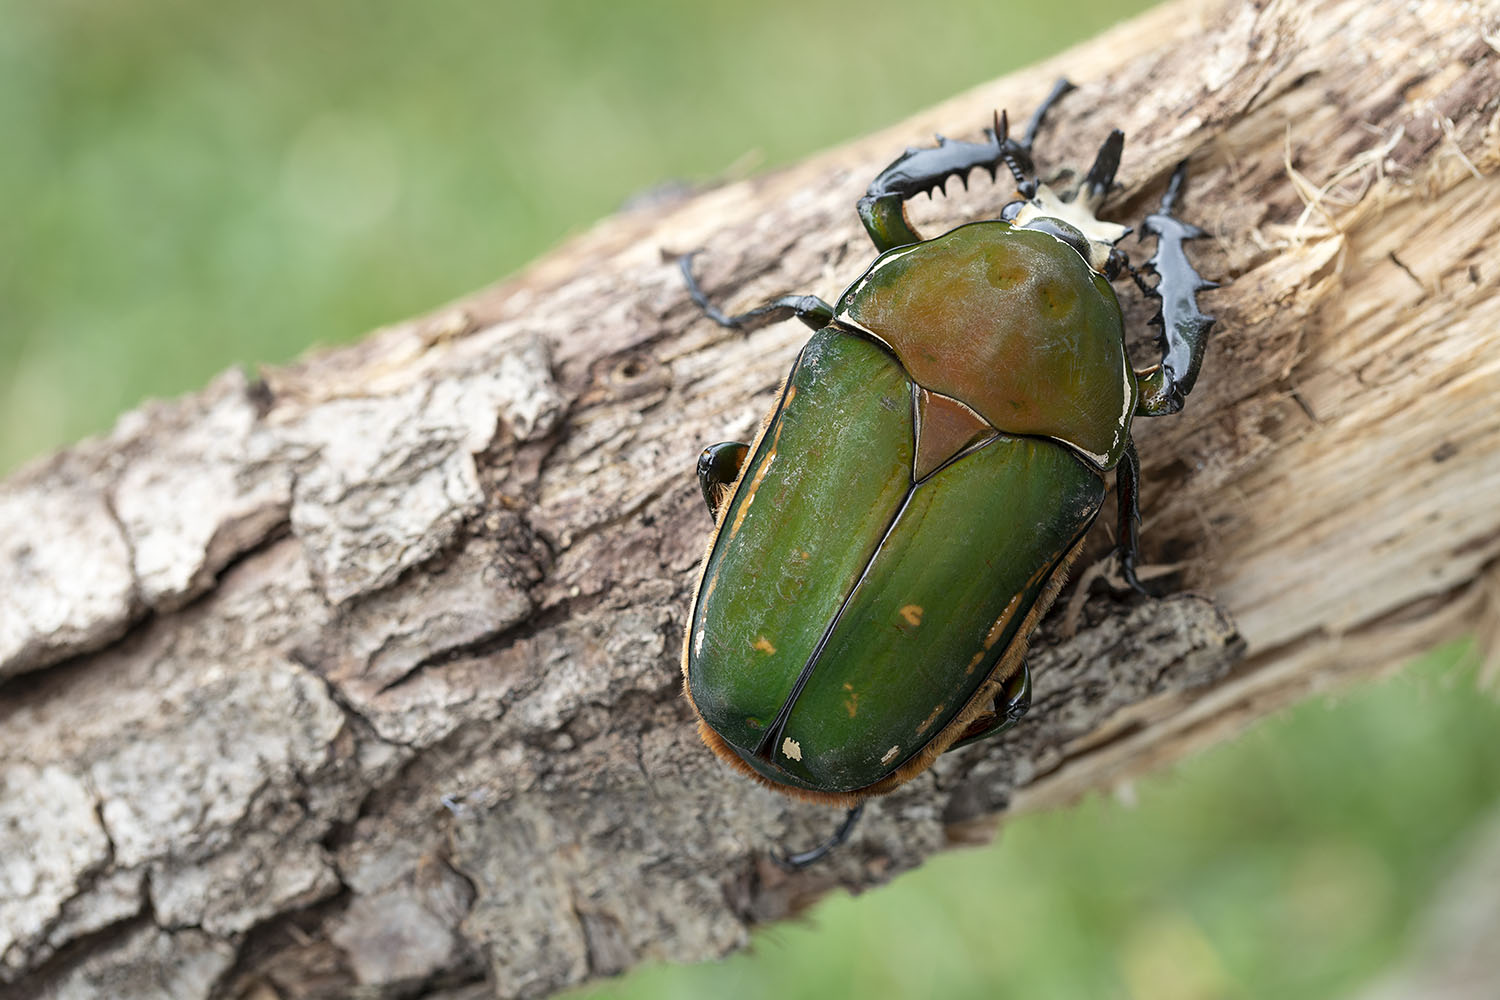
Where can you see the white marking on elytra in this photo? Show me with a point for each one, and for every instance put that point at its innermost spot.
(791, 748)
(890, 754)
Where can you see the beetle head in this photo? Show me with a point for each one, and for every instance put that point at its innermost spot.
(1073, 222)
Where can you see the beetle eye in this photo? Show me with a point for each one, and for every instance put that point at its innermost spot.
(1070, 235)
(1117, 262)
(1011, 210)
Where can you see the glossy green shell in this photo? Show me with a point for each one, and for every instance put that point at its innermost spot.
(938, 577)
(857, 595)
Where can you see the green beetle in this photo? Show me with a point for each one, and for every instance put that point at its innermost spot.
(931, 467)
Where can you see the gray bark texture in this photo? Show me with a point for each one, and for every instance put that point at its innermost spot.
(360, 678)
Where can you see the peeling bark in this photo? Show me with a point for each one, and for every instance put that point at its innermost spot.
(363, 675)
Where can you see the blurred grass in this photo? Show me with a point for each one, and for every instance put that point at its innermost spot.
(1287, 864)
(187, 186)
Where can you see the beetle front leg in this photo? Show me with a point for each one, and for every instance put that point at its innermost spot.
(918, 171)
(1184, 329)
(718, 467)
(810, 309)
(1011, 705)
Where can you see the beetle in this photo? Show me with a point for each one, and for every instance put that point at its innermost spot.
(910, 507)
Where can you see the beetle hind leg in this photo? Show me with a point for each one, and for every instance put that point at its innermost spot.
(810, 309)
(1011, 705)
(800, 860)
(718, 467)
(1184, 328)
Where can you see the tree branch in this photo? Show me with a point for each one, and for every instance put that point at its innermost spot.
(366, 672)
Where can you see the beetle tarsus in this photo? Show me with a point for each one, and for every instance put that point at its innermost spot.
(1174, 188)
(810, 309)
(1101, 175)
(1127, 573)
(800, 860)
(1061, 87)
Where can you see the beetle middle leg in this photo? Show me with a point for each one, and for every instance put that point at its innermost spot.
(810, 309)
(1184, 329)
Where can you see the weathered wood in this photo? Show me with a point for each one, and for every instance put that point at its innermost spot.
(366, 673)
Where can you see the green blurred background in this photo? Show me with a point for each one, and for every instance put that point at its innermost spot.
(187, 186)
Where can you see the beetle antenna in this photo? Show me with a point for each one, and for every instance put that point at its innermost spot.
(1007, 154)
(1024, 184)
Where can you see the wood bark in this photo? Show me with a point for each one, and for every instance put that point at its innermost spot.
(361, 677)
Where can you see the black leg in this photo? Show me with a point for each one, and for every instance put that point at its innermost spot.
(1061, 87)
(1128, 492)
(795, 862)
(1184, 329)
(718, 468)
(1011, 705)
(1102, 174)
(808, 308)
(919, 171)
